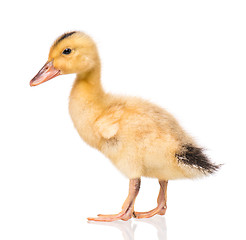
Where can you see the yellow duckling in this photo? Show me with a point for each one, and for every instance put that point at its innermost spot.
(140, 138)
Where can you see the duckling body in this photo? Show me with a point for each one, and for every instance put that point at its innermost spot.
(140, 138)
(135, 135)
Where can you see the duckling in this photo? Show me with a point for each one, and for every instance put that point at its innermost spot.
(140, 138)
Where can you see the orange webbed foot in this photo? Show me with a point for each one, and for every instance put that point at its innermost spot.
(113, 217)
(127, 208)
(157, 210)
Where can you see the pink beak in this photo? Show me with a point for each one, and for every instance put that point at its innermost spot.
(46, 73)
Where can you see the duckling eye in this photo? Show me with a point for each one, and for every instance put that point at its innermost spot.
(67, 51)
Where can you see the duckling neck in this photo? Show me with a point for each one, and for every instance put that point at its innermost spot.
(88, 86)
(86, 104)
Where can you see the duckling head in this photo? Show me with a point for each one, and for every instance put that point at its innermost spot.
(72, 52)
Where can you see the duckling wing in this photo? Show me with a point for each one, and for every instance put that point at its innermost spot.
(107, 125)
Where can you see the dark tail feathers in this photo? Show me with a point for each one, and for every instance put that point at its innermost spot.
(194, 157)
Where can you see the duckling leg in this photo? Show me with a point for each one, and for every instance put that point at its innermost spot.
(161, 203)
(127, 208)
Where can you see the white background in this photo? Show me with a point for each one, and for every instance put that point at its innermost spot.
(187, 56)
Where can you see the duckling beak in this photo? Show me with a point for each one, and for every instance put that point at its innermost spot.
(46, 73)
